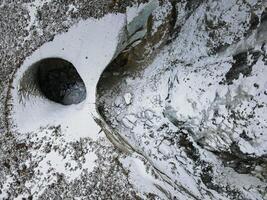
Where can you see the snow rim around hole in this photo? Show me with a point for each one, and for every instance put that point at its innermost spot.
(89, 47)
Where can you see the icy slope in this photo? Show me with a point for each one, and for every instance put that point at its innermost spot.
(197, 113)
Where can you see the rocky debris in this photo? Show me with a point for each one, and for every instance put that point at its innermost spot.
(39, 177)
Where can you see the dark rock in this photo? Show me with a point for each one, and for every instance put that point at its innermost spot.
(264, 16)
(256, 85)
(59, 81)
(254, 21)
(191, 151)
(239, 66)
(245, 136)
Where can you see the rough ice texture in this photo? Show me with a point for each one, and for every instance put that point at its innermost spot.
(205, 135)
(194, 116)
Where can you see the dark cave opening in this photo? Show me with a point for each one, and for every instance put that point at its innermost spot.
(59, 81)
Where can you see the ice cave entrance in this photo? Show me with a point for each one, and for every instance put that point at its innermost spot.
(60, 82)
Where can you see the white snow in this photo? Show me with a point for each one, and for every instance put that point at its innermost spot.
(128, 98)
(89, 46)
